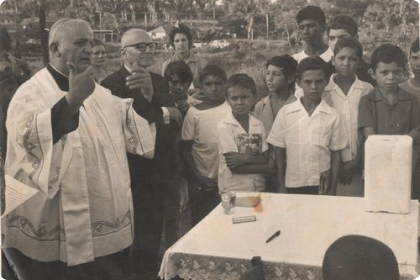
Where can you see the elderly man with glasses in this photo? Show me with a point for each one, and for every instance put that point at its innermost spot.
(133, 80)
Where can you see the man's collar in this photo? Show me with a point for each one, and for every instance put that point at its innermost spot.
(61, 79)
(128, 68)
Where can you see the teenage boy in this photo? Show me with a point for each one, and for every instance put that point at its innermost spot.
(243, 147)
(312, 26)
(344, 26)
(343, 93)
(310, 135)
(388, 109)
(280, 78)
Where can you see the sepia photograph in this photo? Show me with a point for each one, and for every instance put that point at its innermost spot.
(210, 139)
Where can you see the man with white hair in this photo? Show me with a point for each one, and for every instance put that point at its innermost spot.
(68, 138)
(147, 176)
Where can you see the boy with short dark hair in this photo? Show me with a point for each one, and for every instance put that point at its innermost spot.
(312, 26)
(389, 109)
(343, 93)
(243, 147)
(341, 26)
(280, 79)
(199, 145)
(309, 134)
(344, 26)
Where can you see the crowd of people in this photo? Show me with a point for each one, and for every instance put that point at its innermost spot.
(115, 156)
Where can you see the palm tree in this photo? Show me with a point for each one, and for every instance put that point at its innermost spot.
(248, 9)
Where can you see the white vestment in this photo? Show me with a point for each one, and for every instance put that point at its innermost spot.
(84, 207)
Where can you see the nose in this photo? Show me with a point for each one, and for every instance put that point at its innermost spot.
(88, 48)
(346, 62)
(313, 85)
(269, 77)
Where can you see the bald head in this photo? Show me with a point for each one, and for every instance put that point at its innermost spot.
(135, 36)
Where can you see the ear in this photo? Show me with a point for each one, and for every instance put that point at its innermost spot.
(372, 73)
(54, 49)
(122, 51)
(333, 60)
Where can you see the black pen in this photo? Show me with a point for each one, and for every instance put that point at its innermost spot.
(277, 233)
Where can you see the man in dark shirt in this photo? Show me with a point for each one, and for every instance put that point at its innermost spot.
(133, 79)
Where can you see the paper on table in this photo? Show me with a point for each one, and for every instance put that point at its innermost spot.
(16, 194)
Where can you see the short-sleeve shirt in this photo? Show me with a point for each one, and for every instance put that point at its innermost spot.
(326, 56)
(308, 141)
(201, 127)
(233, 138)
(264, 111)
(400, 118)
(348, 107)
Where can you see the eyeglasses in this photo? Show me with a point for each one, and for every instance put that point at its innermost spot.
(143, 46)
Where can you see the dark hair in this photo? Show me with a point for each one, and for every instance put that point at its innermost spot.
(312, 63)
(212, 70)
(5, 40)
(388, 53)
(359, 257)
(311, 12)
(183, 29)
(351, 43)
(181, 69)
(286, 62)
(97, 42)
(344, 22)
(242, 81)
(415, 46)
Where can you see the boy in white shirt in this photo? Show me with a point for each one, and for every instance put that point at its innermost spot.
(243, 147)
(343, 93)
(309, 134)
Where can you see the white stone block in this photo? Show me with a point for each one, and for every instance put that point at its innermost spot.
(388, 164)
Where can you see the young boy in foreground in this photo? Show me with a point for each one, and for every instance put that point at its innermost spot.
(343, 93)
(388, 110)
(310, 135)
(243, 147)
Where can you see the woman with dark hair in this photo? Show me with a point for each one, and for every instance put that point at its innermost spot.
(181, 39)
(99, 60)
